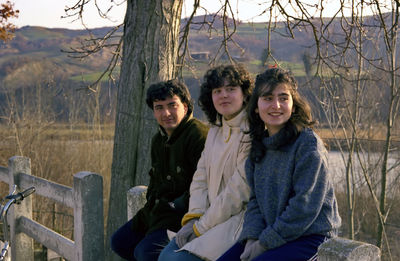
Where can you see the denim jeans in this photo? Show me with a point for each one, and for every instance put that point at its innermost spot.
(132, 245)
(301, 249)
(169, 253)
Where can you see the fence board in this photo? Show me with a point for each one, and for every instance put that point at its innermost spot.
(85, 197)
(47, 237)
(60, 193)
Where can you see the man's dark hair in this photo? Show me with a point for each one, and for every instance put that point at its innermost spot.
(167, 89)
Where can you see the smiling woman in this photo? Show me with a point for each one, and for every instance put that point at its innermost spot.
(228, 100)
(275, 107)
(287, 163)
(218, 192)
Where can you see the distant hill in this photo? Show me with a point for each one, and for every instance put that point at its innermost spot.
(36, 53)
(40, 49)
(37, 57)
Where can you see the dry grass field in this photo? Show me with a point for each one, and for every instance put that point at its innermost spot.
(58, 151)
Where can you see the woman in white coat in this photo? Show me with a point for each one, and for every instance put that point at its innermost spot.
(219, 191)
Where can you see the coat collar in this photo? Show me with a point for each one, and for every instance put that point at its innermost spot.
(176, 133)
(238, 122)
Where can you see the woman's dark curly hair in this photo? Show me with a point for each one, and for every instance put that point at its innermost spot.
(214, 78)
(301, 118)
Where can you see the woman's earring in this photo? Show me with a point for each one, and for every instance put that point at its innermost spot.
(256, 110)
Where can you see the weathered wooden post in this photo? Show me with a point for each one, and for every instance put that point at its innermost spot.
(88, 216)
(21, 244)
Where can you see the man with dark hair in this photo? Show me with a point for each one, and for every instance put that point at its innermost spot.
(175, 150)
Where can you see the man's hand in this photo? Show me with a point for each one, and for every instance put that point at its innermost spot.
(252, 249)
(185, 234)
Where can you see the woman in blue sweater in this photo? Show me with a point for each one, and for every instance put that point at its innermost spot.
(292, 207)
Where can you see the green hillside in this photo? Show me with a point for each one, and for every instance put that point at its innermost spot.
(39, 51)
(35, 67)
(34, 45)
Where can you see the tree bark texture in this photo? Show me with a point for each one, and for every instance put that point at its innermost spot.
(150, 49)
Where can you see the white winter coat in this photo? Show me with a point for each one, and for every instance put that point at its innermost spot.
(219, 191)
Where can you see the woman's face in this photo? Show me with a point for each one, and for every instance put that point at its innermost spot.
(275, 108)
(228, 100)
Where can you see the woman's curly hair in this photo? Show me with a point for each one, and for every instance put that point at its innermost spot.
(216, 77)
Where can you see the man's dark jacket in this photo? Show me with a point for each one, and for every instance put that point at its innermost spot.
(174, 161)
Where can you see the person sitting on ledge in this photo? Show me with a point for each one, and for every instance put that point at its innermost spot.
(292, 207)
(219, 191)
(175, 151)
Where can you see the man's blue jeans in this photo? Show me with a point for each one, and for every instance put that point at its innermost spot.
(132, 245)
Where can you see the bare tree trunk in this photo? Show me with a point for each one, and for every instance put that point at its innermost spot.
(150, 48)
(354, 119)
(392, 115)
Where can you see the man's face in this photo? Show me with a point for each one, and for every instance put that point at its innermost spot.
(169, 113)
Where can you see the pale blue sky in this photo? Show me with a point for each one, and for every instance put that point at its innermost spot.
(48, 13)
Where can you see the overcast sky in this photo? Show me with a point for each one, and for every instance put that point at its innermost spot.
(48, 13)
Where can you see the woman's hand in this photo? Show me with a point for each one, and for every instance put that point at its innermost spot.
(185, 234)
(252, 249)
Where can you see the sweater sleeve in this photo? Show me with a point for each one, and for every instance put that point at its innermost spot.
(253, 220)
(310, 183)
(232, 199)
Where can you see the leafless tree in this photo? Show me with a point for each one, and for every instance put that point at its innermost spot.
(347, 73)
(153, 48)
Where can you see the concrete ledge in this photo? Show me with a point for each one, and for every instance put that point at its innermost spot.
(338, 249)
(335, 249)
(136, 198)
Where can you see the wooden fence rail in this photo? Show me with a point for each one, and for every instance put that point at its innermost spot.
(86, 199)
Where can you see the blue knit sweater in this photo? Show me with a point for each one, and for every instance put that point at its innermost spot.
(292, 194)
